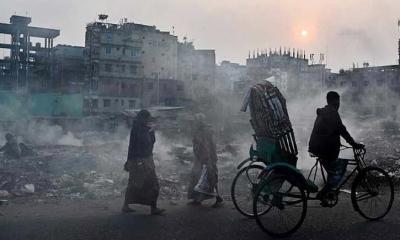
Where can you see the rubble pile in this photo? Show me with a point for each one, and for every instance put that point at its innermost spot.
(24, 176)
(88, 172)
(383, 147)
(93, 168)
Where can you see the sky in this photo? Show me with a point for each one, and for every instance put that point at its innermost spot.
(346, 31)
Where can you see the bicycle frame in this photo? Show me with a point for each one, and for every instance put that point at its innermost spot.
(357, 161)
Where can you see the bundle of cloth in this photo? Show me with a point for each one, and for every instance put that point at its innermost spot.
(270, 118)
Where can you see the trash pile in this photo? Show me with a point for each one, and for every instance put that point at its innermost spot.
(95, 172)
(93, 169)
(384, 151)
(382, 141)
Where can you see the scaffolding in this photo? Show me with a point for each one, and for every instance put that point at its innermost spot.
(15, 69)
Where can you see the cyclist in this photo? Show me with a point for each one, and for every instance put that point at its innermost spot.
(325, 143)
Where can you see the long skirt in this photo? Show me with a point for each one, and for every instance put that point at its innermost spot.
(195, 177)
(143, 187)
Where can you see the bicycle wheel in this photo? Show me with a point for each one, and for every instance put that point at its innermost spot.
(372, 193)
(284, 204)
(243, 188)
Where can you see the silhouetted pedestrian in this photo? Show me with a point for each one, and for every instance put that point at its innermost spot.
(143, 187)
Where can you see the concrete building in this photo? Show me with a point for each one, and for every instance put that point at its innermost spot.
(373, 90)
(227, 74)
(289, 69)
(128, 65)
(28, 66)
(114, 70)
(197, 69)
(69, 69)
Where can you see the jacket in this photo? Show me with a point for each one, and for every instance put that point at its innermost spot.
(325, 136)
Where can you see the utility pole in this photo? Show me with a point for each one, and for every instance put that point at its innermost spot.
(158, 89)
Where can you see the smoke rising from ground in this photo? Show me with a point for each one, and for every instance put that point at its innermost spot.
(77, 148)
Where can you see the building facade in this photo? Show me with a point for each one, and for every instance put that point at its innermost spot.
(130, 65)
(197, 69)
(228, 74)
(288, 69)
(69, 69)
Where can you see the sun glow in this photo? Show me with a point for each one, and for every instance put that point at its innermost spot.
(304, 33)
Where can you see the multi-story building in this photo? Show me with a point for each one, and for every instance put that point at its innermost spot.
(373, 90)
(114, 70)
(288, 69)
(130, 65)
(69, 68)
(197, 69)
(227, 74)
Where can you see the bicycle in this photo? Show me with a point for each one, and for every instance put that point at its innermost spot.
(283, 192)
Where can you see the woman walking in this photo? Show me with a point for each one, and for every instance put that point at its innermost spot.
(143, 187)
(204, 175)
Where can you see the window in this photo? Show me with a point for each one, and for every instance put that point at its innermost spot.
(106, 103)
(135, 52)
(133, 69)
(132, 103)
(122, 68)
(123, 51)
(150, 86)
(122, 102)
(109, 36)
(108, 50)
(179, 88)
(194, 77)
(108, 67)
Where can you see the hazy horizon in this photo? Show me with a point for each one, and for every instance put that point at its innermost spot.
(345, 31)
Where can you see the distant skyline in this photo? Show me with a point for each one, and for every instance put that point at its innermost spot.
(346, 31)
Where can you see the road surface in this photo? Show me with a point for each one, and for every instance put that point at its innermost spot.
(101, 219)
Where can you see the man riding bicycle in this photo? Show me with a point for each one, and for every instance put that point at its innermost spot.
(325, 143)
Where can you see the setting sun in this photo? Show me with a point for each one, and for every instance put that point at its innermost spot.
(304, 33)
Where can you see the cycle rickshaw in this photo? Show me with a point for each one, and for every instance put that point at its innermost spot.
(269, 187)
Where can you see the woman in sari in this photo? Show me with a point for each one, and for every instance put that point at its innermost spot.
(205, 163)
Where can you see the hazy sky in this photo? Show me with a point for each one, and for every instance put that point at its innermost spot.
(346, 30)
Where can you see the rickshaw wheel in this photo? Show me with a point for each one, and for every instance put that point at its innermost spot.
(283, 202)
(243, 188)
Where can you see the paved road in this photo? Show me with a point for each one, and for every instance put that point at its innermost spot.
(95, 219)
